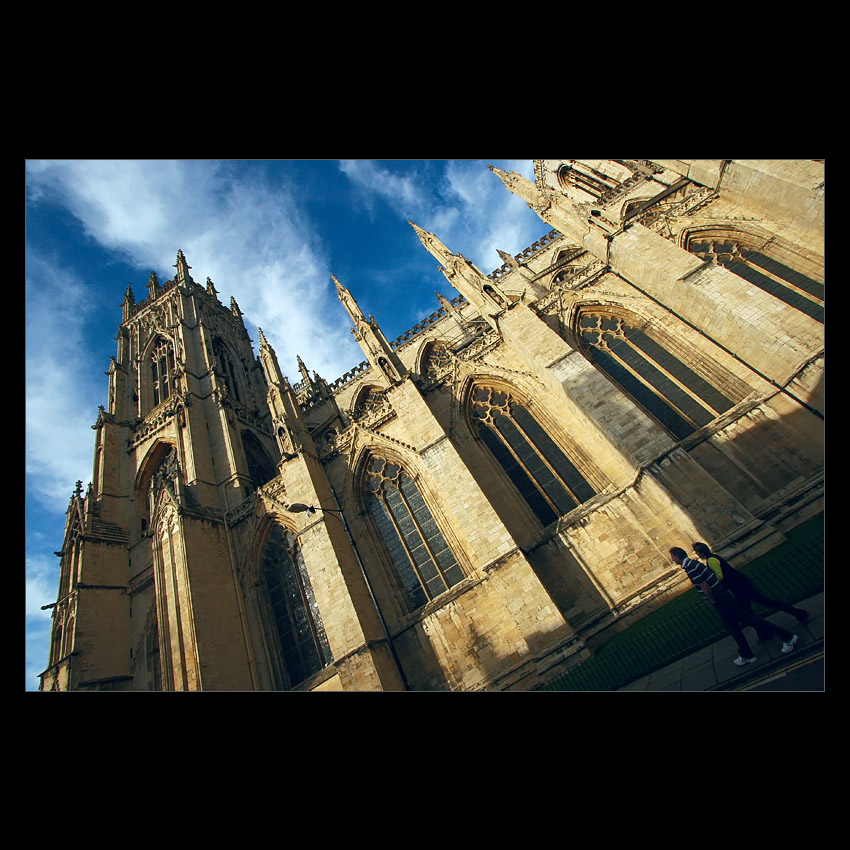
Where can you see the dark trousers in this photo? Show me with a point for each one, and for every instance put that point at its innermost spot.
(734, 618)
(746, 593)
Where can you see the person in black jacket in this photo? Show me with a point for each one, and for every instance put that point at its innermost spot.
(743, 589)
(733, 617)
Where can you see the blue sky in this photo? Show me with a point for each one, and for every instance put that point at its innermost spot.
(269, 233)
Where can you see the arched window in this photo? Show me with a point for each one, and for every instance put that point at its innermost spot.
(370, 401)
(300, 634)
(588, 179)
(674, 392)
(162, 371)
(227, 370)
(546, 478)
(423, 562)
(740, 256)
(260, 468)
(436, 361)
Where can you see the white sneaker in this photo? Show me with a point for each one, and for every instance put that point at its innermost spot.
(741, 661)
(787, 647)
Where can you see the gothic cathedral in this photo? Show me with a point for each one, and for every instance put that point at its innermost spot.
(474, 502)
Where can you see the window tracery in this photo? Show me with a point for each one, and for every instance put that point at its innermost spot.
(768, 274)
(423, 562)
(546, 478)
(162, 371)
(301, 640)
(437, 360)
(671, 390)
(370, 402)
(227, 370)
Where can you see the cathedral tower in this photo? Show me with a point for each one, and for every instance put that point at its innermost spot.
(484, 500)
(186, 435)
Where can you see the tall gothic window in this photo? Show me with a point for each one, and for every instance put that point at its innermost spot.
(588, 179)
(667, 387)
(227, 370)
(301, 639)
(423, 561)
(162, 371)
(794, 288)
(260, 468)
(546, 478)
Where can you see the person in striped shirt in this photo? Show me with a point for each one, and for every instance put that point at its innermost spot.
(732, 615)
(743, 589)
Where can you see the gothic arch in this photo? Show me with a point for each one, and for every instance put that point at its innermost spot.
(370, 398)
(158, 371)
(681, 388)
(433, 357)
(550, 473)
(229, 369)
(153, 460)
(260, 466)
(291, 625)
(771, 264)
(420, 556)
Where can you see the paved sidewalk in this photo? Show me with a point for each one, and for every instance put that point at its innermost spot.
(712, 668)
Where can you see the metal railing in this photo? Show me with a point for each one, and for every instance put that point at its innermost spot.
(795, 572)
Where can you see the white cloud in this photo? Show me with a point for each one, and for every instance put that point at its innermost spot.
(406, 195)
(62, 390)
(41, 579)
(250, 239)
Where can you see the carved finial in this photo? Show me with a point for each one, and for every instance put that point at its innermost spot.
(153, 285)
(182, 268)
(518, 184)
(557, 209)
(234, 308)
(129, 303)
(303, 370)
(211, 289)
(262, 338)
(508, 259)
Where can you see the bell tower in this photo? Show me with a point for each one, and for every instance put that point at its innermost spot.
(185, 439)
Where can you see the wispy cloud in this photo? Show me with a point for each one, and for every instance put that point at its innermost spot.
(246, 235)
(62, 386)
(470, 210)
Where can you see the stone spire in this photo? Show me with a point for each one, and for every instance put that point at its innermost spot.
(305, 372)
(129, 303)
(557, 210)
(182, 267)
(268, 360)
(153, 286)
(290, 429)
(368, 334)
(465, 277)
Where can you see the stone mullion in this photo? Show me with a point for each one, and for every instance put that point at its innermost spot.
(524, 468)
(425, 543)
(545, 460)
(403, 540)
(657, 393)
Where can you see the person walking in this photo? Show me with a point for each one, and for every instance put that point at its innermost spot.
(732, 615)
(742, 587)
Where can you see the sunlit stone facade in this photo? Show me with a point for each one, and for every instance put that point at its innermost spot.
(492, 494)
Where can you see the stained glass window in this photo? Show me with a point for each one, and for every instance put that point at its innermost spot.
(671, 391)
(162, 371)
(546, 478)
(423, 561)
(300, 633)
(794, 288)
